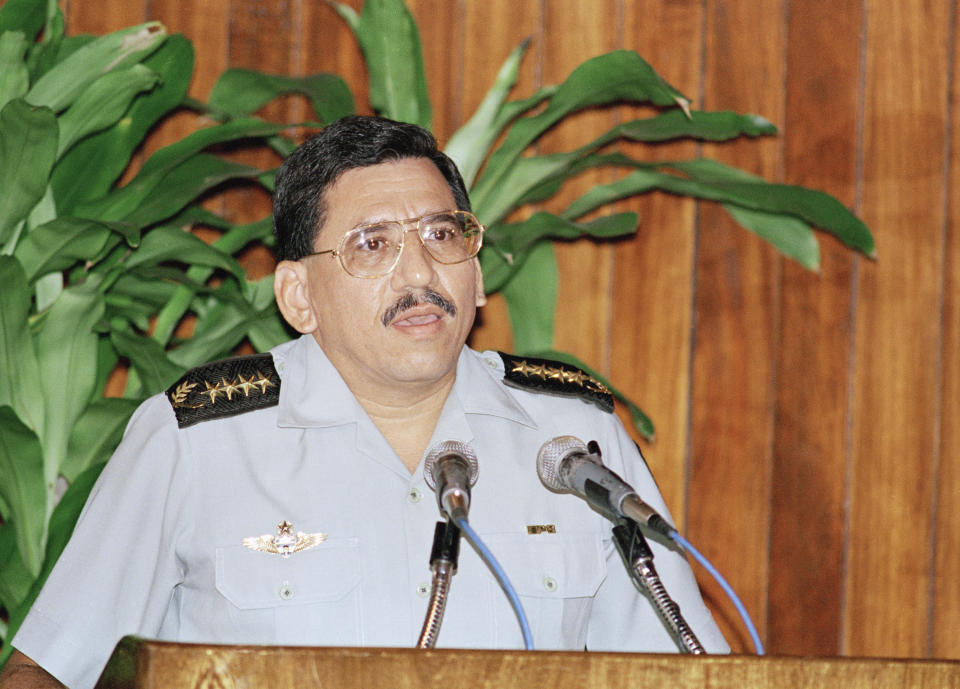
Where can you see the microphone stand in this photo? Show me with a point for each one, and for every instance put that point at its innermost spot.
(443, 564)
(638, 559)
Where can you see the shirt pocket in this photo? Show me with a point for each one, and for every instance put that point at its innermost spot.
(556, 578)
(310, 597)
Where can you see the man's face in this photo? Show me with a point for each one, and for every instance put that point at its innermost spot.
(367, 327)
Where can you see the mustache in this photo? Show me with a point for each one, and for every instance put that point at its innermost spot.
(411, 300)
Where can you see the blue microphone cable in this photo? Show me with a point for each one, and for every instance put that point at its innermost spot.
(501, 577)
(744, 615)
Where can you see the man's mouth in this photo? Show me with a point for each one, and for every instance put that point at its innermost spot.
(397, 314)
(418, 320)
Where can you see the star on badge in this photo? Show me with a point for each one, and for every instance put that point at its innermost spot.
(286, 542)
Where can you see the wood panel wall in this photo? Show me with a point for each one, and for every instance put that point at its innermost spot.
(808, 423)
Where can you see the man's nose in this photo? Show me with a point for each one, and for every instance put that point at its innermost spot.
(416, 266)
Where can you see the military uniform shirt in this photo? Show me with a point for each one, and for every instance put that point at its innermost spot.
(158, 550)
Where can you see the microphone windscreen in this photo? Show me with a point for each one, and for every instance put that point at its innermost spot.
(548, 459)
(443, 449)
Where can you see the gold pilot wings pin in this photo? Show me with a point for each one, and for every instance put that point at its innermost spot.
(286, 542)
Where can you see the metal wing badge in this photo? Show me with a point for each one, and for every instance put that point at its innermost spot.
(286, 542)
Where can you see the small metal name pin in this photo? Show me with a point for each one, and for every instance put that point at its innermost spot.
(534, 529)
(286, 542)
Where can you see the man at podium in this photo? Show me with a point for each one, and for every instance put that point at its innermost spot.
(281, 499)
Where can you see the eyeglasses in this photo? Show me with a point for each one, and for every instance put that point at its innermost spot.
(372, 251)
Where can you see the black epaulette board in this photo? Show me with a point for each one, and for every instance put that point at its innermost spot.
(556, 378)
(225, 388)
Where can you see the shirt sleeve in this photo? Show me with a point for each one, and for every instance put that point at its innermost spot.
(118, 572)
(624, 619)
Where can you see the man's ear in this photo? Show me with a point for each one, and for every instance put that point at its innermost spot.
(481, 294)
(293, 297)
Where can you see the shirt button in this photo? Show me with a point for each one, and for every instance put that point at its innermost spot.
(423, 589)
(286, 591)
(550, 584)
(414, 495)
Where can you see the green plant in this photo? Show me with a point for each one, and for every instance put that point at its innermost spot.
(95, 272)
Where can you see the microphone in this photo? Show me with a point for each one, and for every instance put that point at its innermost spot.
(450, 470)
(566, 465)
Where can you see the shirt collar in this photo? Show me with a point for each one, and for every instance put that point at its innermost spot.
(314, 395)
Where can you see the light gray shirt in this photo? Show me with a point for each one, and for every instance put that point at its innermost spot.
(159, 552)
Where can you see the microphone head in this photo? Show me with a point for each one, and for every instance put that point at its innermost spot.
(444, 449)
(550, 455)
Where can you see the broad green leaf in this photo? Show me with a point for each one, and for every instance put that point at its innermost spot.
(710, 180)
(121, 311)
(59, 87)
(516, 183)
(28, 149)
(43, 55)
(791, 236)
(271, 330)
(155, 371)
(89, 169)
(59, 244)
(469, 145)
(23, 487)
(641, 421)
(103, 103)
(220, 334)
(25, 16)
(816, 207)
(62, 521)
(600, 195)
(14, 77)
(173, 244)
(611, 78)
(20, 385)
(168, 161)
(390, 42)
(230, 242)
(67, 353)
(240, 92)
(96, 434)
(705, 126)
(15, 578)
(515, 238)
(184, 184)
(531, 296)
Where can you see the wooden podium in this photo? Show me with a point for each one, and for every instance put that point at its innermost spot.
(141, 664)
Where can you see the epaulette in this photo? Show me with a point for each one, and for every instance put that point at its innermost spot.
(555, 377)
(225, 388)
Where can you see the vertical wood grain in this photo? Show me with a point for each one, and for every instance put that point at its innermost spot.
(573, 35)
(897, 331)
(813, 351)
(945, 604)
(736, 325)
(492, 30)
(650, 336)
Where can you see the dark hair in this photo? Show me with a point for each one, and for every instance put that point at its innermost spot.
(356, 141)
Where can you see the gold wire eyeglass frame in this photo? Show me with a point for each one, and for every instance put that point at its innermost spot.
(339, 253)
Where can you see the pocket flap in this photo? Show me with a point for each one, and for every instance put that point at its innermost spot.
(251, 579)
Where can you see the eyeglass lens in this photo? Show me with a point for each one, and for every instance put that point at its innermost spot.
(373, 249)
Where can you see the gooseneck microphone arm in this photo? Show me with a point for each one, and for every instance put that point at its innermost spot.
(638, 559)
(443, 564)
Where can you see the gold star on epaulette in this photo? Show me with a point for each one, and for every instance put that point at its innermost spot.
(212, 391)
